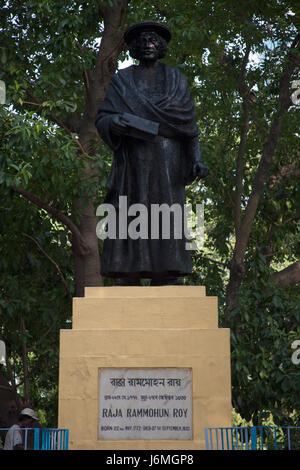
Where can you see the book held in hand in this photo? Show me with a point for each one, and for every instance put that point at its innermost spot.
(140, 128)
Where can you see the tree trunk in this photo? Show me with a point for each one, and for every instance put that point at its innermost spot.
(87, 265)
(24, 361)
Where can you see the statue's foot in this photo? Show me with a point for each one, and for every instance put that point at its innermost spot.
(172, 281)
(127, 281)
(167, 281)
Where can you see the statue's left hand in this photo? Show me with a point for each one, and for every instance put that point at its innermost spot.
(119, 124)
(200, 170)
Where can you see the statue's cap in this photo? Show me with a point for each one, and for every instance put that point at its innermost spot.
(137, 28)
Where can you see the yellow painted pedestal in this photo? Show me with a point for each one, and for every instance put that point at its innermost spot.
(143, 327)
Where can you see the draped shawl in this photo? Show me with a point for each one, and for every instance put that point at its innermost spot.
(174, 111)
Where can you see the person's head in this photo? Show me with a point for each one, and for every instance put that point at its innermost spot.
(147, 41)
(27, 418)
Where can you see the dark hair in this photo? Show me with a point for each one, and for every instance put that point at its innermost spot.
(133, 46)
(23, 417)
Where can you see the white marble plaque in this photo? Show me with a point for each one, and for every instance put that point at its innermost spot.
(145, 404)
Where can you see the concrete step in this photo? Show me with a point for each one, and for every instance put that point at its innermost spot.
(148, 291)
(206, 343)
(147, 312)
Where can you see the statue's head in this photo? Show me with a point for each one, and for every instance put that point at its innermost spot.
(147, 40)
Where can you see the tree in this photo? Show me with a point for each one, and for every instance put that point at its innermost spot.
(47, 86)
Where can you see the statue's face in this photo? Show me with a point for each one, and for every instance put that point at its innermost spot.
(148, 46)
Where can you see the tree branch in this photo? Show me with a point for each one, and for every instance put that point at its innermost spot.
(111, 43)
(244, 92)
(54, 264)
(78, 242)
(285, 172)
(38, 103)
(224, 265)
(268, 153)
(59, 123)
(288, 276)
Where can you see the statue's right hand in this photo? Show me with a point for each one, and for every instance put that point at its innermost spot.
(119, 124)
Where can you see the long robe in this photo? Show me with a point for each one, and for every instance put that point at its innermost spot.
(149, 173)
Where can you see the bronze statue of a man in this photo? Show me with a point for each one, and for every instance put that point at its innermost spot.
(148, 119)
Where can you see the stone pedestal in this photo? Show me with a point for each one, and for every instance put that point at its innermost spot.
(170, 328)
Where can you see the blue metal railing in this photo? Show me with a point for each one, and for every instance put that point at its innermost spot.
(41, 438)
(55, 439)
(253, 438)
